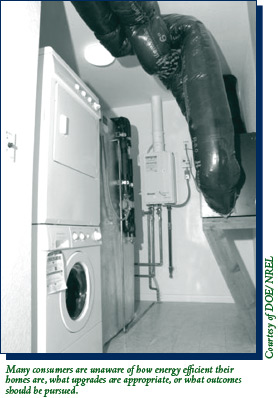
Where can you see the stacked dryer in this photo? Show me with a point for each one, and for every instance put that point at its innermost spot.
(66, 282)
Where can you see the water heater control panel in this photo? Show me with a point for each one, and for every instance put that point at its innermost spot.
(158, 178)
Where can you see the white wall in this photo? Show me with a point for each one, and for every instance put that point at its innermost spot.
(20, 37)
(247, 74)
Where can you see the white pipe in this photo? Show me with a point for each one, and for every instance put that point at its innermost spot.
(157, 124)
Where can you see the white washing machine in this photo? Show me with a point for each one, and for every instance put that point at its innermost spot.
(67, 286)
(66, 171)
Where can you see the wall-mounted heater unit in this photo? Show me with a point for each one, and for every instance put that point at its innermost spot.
(158, 166)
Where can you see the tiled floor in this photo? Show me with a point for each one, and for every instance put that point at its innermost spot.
(184, 328)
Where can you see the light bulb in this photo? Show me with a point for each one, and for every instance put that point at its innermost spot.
(97, 55)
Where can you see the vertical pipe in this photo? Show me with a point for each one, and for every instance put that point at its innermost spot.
(153, 237)
(121, 233)
(150, 263)
(169, 209)
(152, 268)
(151, 249)
(159, 213)
(150, 244)
(157, 124)
(149, 237)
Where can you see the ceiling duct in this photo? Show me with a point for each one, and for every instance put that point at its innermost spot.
(184, 55)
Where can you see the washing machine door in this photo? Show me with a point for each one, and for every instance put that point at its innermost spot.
(77, 300)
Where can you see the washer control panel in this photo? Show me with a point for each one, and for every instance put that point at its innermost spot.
(58, 237)
(85, 236)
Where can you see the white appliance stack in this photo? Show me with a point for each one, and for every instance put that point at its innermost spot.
(66, 213)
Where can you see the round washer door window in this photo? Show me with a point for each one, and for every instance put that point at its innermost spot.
(76, 293)
(77, 300)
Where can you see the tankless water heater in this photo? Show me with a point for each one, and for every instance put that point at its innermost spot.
(158, 167)
(158, 178)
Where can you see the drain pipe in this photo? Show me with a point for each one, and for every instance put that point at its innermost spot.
(169, 210)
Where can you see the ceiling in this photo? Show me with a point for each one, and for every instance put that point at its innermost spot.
(125, 83)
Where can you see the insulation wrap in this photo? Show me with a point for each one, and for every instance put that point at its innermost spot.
(185, 56)
(201, 94)
(147, 33)
(106, 26)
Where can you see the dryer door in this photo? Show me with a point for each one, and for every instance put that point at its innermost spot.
(77, 300)
(76, 135)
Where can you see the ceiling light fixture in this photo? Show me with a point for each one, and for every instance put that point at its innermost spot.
(97, 55)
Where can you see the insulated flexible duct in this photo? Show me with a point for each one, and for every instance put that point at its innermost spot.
(106, 26)
(199, 88)
(184, 55)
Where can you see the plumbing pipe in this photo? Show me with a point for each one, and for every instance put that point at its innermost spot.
(159, 213)
(152, 257)
(169, 210)
(150, 262)
(157, 124)
(149, 236)
(152, 252)
(121, 234)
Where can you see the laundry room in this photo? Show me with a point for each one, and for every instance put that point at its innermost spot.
(130, 191)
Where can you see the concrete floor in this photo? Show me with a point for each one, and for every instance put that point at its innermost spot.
(183, 328)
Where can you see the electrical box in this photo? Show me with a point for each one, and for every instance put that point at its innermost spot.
(158, 178)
